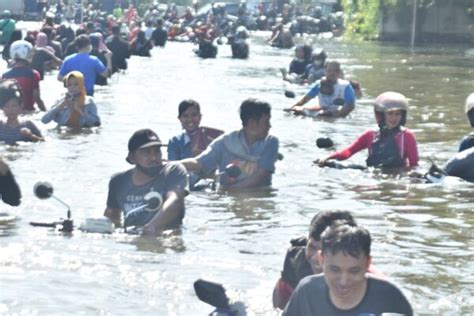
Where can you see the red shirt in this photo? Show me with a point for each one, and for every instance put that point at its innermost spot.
(405, 140)
(28, 79)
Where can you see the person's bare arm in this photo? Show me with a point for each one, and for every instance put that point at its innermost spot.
(279, 301)
(57, 61)
(255, 180)
(301, 102)
(191, 164)
(345, 110)
(114, 214)
(38, 100)
(172, 209)
(26, 132)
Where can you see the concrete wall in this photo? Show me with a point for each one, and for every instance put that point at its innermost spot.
(443, 23)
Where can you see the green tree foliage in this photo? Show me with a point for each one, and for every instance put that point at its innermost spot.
(363, 17)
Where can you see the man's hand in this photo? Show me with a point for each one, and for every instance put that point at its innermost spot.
(149, 230)
(321, 161)
(26, 132)
(114, 215)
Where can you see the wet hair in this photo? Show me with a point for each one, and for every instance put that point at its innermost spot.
(334, 62)
(350, 240)
(9, 89)
(185, 105)
(323, 220)
(253, 109)
(82, 41)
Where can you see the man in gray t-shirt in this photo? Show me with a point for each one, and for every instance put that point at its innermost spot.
(344, 288)
(127, 190)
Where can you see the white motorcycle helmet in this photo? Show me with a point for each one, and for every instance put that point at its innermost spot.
(22, 50)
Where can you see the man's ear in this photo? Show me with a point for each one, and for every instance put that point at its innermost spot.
(131, 158)
(369, 262)
(320, 257)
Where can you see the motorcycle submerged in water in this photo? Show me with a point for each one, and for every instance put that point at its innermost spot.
(215, 295)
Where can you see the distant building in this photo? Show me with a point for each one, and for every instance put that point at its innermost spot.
(440, 22)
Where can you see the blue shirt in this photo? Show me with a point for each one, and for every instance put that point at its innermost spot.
(89, 66)
(218, 155)
(179, 147)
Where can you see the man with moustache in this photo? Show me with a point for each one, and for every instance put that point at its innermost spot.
(127, 190)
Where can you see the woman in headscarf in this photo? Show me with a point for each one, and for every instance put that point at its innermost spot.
(99, 50)
(76, 109)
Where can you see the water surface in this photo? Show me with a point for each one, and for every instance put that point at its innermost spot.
(422, 233)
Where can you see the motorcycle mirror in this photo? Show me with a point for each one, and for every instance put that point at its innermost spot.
(324, 142)
(290, 94)
(211, 293)
(43, 190)
(153, 201)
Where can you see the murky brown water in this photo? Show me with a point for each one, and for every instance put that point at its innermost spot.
(422, 234)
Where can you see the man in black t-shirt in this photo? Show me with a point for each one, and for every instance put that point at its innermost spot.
(159, 35)
(120, 50)
(127, 190)
(344, 288)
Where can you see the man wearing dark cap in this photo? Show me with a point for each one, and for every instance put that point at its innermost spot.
(128, 189)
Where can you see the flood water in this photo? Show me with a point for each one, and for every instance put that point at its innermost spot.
(423, 234)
